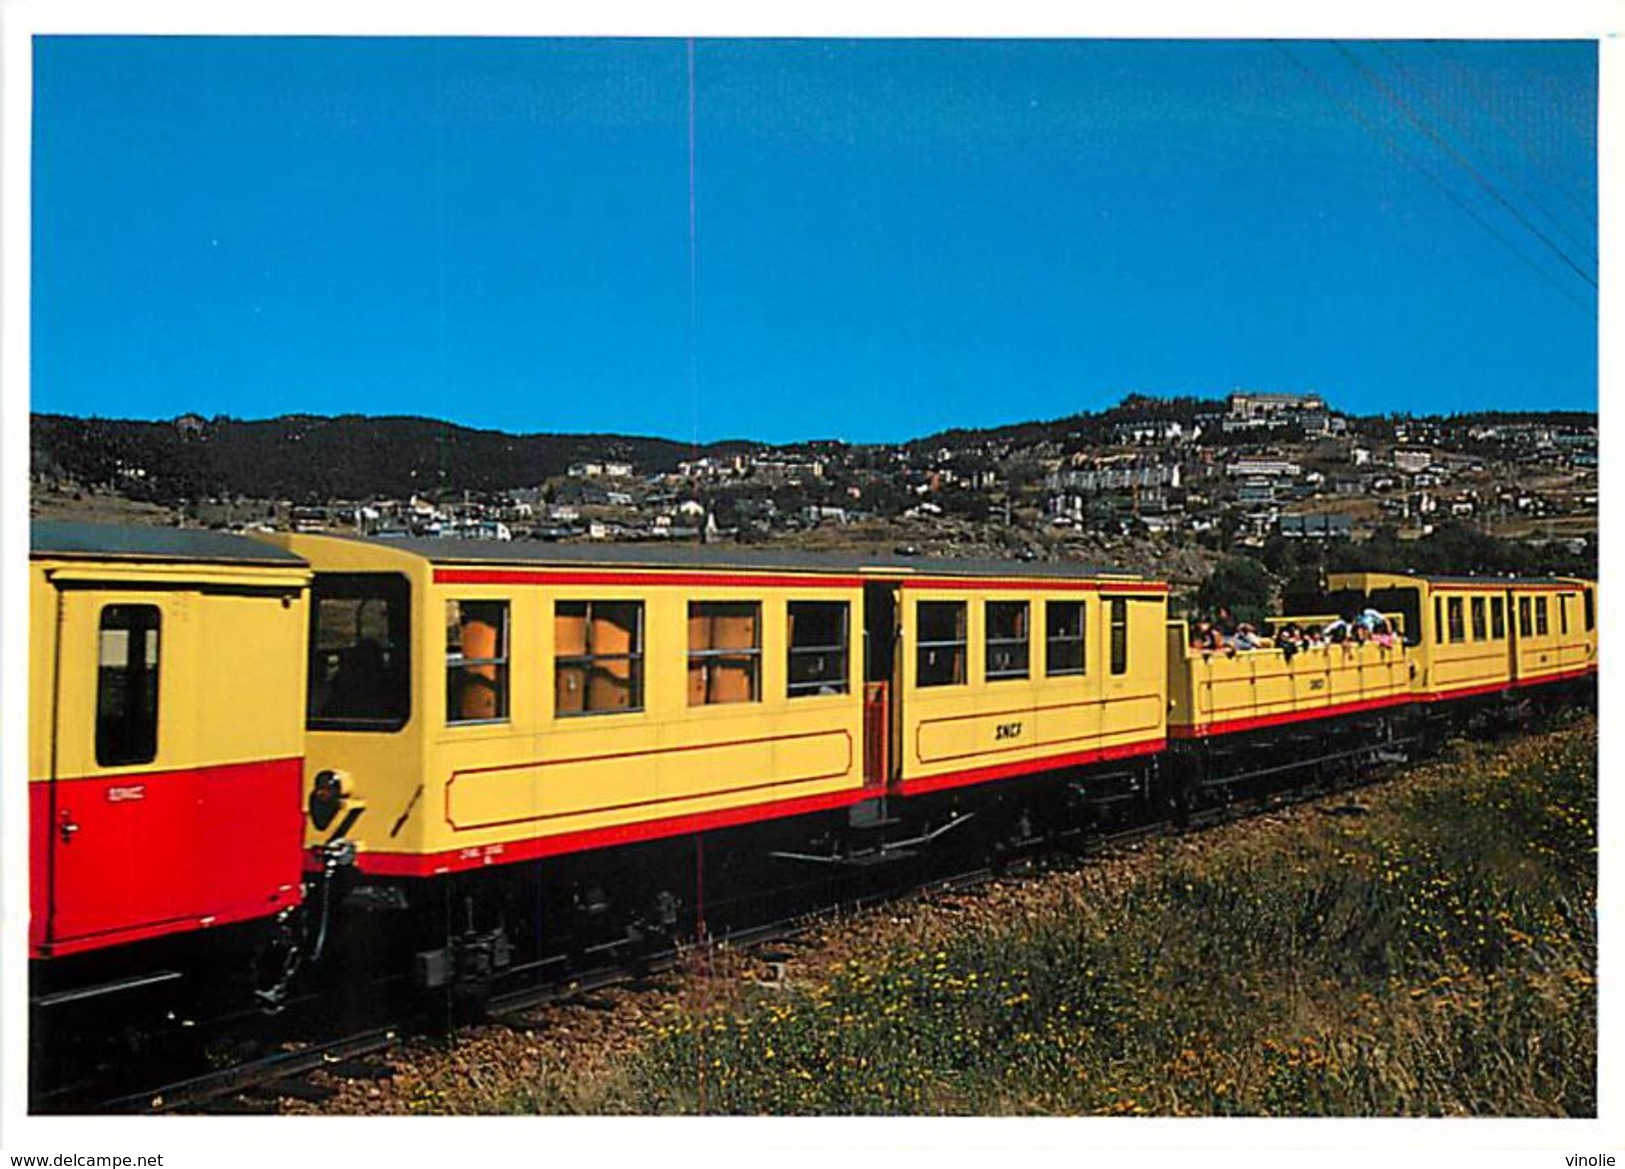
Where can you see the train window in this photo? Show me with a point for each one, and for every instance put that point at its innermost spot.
(941, 654)
(597, 657)
(1563, 614)
(1541, 627)
(1119, 615)
(1591, 610)
(127, 685)
(724, 652)
(1498, 618)
(1524, 629)
(1458, 627)
(1479, 631)
(476, 661)
(818, 648)
(1008, 636)
(1438, 620)
(1063, 637)
(359, 645)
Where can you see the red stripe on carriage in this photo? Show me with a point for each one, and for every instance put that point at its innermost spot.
(1235, 725)
(1032, 584)
(932, 783)
(640, 579)
(399, 864)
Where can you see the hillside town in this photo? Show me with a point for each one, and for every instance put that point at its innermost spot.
(1222, 474)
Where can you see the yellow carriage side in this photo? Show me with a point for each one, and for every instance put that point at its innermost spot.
(556, 705)
(1214, 693)
(1478, 635)
(1000, 677)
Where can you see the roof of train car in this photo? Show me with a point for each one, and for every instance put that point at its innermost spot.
(1432, 579)
(691, 556)
(107, 541)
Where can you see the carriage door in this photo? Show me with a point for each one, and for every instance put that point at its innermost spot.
(123, 821)
(879, 681)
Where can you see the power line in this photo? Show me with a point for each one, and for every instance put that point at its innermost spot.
(1388, 139)
(1434, 136)
(1586, 207)
(1581, 246)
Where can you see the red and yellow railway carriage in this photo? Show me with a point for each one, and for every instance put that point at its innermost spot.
(475, 706)
(165, 740)
(536, 700)
(1212, 694)
(479, 708)
(1008, 675)
(464, 750)
(1262, 715)
(1479, 636)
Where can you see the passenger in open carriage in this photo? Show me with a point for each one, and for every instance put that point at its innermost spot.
(1289, 639)
(1337, 632)
(1206, 638)
(1247, 638)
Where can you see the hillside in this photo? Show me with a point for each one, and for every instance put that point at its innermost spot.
(309, 458)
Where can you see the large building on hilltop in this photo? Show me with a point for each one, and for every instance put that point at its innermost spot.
(1308, 412)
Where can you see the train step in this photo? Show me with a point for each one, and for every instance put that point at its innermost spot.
(858, 860)
(102, 989)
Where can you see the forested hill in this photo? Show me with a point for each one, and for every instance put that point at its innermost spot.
(302, 457)
(308, 458)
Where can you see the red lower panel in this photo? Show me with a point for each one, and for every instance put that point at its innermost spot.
(116, 859)
(1464, 692)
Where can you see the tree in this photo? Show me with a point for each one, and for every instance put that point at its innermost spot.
(1242, 585)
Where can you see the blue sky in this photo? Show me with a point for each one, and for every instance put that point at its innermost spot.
(890, 237)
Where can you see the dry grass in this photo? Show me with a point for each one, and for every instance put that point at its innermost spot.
(1434, 956)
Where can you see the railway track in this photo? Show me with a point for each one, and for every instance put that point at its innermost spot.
(255, 1084)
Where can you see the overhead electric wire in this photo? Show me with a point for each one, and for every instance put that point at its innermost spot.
(1585, 205)
(1580, 244)
(1434, 136)
(1584, 248)
(1388, 139)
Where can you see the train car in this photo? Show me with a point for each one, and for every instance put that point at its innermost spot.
(1006, 672)
(480, 704)
(1554, 633)
(476, 707)
(1262, 716)
(1476, 637)
(1213, 694)
(165, 750)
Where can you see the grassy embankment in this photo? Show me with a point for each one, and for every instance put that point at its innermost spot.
(1433, 956)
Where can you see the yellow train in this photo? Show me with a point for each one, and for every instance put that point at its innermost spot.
(448, 753)
(532, 701)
